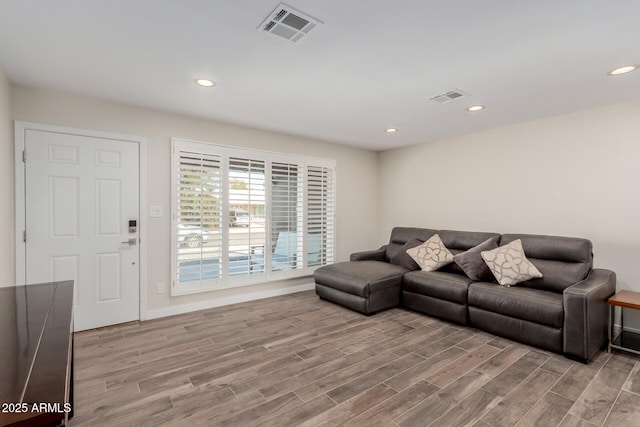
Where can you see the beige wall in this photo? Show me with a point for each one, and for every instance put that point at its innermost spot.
(7, 259)
(356, 172)
(573, 175)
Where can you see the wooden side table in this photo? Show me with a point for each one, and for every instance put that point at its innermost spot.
(624, 340)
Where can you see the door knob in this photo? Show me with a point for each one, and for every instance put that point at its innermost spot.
(131, 242)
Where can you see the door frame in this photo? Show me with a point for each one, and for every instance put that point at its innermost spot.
(20, 129)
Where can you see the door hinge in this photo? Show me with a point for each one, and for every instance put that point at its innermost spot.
(24, 156)
(24, 236)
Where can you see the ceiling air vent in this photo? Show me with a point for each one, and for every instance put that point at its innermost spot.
(288, 23)
(449, 96)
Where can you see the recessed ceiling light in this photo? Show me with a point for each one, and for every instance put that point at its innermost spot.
(391, 130)
(475, 108)
(622, 70)
(205, 83)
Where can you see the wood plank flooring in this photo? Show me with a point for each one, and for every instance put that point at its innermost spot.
(298, 361)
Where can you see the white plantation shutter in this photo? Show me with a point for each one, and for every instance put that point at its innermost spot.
(320, 215)
(288, 216)
(246, 190)
(198, 237)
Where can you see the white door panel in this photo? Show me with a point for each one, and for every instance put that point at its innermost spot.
(81, 193)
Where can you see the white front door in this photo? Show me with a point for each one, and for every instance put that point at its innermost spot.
(81, 193)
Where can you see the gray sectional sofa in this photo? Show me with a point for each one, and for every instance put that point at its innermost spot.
(564, 311)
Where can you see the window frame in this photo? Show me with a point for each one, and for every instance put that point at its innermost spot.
(225, 152)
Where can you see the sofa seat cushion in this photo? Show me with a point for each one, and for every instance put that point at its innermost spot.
(534, 305)
(437, 284)
(360, 278)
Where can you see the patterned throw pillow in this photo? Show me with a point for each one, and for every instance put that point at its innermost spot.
(432, 254)
(509, 264)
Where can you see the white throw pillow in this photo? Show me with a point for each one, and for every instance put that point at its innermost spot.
(432, 254)
(509, 264)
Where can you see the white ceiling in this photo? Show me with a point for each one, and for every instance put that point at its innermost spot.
(374, 64)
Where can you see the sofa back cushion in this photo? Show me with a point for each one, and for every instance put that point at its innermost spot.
(563, 261)
(401, 235)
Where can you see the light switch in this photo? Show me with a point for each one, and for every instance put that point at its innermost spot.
(155, 211)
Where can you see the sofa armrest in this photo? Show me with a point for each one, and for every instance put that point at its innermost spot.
(586, 314)
(377, 255)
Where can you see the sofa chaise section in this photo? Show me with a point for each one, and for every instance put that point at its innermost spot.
(366, 286)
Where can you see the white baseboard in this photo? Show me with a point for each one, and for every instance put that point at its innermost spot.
(188, 308)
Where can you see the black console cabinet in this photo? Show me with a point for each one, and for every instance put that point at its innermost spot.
(36, 354)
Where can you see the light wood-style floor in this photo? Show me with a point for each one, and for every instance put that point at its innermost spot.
(298, 361)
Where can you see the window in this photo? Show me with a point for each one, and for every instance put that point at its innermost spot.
(245, 216)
